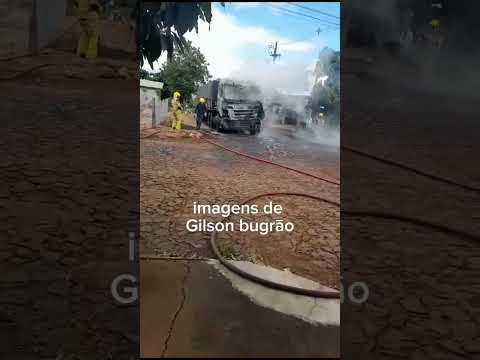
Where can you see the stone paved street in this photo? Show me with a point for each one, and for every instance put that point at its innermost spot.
(68, 199)
(422, 304)
(177, 170)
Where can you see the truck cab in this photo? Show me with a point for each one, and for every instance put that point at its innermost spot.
(233, 105)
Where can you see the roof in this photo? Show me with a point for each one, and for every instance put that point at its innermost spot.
(151, 84)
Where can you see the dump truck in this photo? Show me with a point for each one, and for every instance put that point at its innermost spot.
(233, 105)
(290, 109)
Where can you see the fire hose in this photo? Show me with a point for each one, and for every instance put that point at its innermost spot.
(382, 215)
(334, 182)
(289, 288)
(411, 169)
(231, 266)
(379, 215)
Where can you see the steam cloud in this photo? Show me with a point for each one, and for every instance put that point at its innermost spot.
(277, 79)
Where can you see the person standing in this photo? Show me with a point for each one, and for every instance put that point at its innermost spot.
(89, 17)
(176, 111)
(200, 111)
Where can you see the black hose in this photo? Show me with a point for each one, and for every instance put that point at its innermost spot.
(380, 215)
(412, 220)
(292, 289)
(412, 169)
(373, 214)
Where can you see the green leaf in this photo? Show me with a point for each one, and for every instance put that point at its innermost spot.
(206, 8)
(156, 18)
(171, 16)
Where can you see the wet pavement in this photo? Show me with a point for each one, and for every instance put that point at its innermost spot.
(301, 148)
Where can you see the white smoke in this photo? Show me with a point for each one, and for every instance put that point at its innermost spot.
(288, 83)
(292, 76)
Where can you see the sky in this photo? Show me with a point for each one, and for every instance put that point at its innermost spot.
(240, 34)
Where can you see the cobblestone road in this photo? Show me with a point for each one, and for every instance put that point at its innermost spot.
(69, 195)
(423, 301)
(175, 172)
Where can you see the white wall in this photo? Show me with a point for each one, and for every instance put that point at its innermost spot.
(150, 98)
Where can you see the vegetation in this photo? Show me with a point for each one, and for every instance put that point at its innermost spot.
(161, 26)
(144, 74)
(185, 73)
(328, 93)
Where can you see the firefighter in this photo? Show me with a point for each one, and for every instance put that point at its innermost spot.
(89, 16)
(438, 13)
(322, 118)
(176, 111)
(435, 24)
(200, 111)
(437, 38)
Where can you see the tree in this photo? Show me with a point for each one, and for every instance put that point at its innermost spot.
(161, 26)
(144, 74)
(185, 73)
(327, 93)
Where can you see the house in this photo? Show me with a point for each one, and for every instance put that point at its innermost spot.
(153, 110)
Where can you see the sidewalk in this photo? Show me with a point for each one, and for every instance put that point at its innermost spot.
(191, 309)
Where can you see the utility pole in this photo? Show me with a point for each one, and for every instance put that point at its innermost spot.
(273, 53)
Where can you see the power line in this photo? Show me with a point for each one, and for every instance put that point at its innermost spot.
(304, 39)
(327, 25)
(294, 16)
(314, 10)
(302, 14)
(318, 31)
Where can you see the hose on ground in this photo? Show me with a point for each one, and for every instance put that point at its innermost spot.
(334, 182)
(412, 169)
(275, 285)
(381, 215)
(412, 220)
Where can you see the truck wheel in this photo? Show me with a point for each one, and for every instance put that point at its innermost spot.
(254, 130)
(209, 121)
(217, 123)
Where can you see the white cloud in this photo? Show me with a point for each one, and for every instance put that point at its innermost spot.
(245, 4)
(221, 44)
(303, 46)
